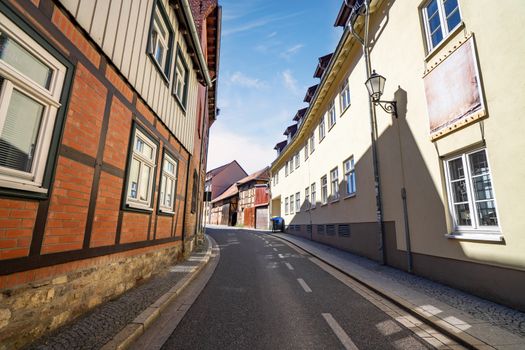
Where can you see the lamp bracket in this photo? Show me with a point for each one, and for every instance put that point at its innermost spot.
(388, 106)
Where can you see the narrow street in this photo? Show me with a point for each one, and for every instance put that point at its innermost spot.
(265, 294)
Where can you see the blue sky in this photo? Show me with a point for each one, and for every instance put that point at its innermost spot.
(269, 51)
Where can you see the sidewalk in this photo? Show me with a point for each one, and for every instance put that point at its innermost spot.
(478, 322)
(115, 324)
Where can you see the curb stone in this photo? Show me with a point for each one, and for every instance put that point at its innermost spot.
(447, 329)
(143, 321)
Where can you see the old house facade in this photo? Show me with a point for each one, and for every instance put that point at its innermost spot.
(254, 198)
(104, 116)
(434, 190)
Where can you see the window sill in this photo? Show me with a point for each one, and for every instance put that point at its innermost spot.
(138, 206)
(331, 127)
(351, 195)
(324, 204)
(334, 201)
(443, 42)
(166, 212)
(344, 110)
(484, 237)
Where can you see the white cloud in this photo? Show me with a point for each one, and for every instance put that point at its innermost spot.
(271, 35)
(239, 78)
(227, 145)
(290, 82)
(288, 53)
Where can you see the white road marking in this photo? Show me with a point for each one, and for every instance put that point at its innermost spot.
(281, 256)
(304, 285)
(339, 332)
(275, 249)
(290, 267)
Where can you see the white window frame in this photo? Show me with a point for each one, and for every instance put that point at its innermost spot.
(350, 174)
(292, 204)
(445, 31)
(286, 208)
(306, 151)
(312, 195)
(286, 168)
(159, 24)
(307, 198)
(291, 167)
(344, 96)
(166, 175)
(312, 143)
(297, 159)
(181, 80)
(324, 189)
(144, 161)
(332, 118)
(48, 97)
(298, 202)
(334, 183)
(475, 230)
(322, 129)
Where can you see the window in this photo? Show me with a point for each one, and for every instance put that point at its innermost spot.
(277, 177)
(349, 169)
(286, 206)
(168, 184)
(440, 17)
(470, 192)
(160, 40)
(331, 116)
(141, 171)
(31, 81)
(291, 204)
(334, 183)
(194, 192)
(297, 160)
(307, 197)
(312, 192)
(286, 169)
(312, 143)
(297, 202)
(322, 130)
(306, 151)
(180, 81)
(290, 166)
(345, 96)
(324, 190)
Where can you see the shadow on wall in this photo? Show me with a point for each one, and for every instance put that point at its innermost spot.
(402, 165)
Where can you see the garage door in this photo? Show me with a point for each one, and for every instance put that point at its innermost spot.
(261, 215)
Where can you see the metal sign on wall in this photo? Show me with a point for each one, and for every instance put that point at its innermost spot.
(453, 91)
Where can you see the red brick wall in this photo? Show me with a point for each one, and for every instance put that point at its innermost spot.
(107, 210)
(17, 218)
(117, 138)
(134, 227)
(86, 110)
(69, 206)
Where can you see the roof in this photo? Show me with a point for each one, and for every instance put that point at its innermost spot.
(346, 10)
(230, 192)
(217, 170)
(281, 145)
(292, 129)
(310, 93)
(321, 66)
(300, 113)
(258, 175)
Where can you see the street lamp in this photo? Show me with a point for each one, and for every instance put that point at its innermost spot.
(375, 85)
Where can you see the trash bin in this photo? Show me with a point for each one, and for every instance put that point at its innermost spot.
(277, 224)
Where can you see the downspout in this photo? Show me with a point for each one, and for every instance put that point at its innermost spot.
(373, 133)
(199, 208)
(185, 206)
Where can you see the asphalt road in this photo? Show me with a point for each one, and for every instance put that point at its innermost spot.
(266, 295)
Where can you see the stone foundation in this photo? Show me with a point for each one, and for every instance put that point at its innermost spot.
(32, 310)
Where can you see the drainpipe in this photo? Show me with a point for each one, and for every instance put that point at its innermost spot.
(373, 134)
